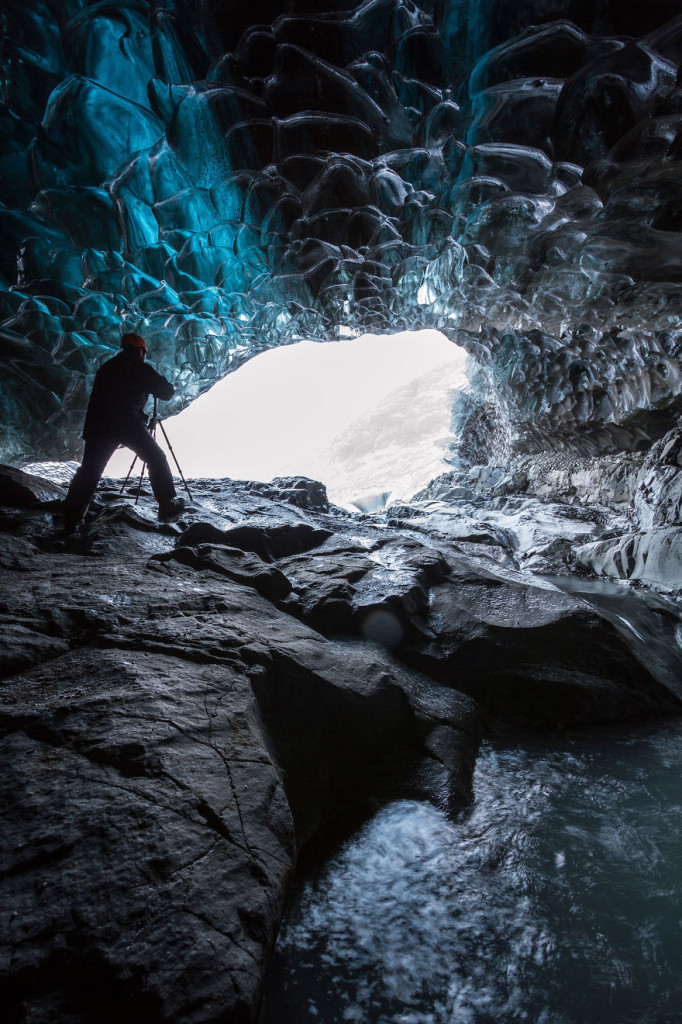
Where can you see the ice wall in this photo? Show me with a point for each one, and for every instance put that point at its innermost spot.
(230, 177)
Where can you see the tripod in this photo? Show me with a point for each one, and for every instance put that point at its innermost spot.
(152, 430)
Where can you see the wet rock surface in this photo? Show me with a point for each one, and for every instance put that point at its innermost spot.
(170, 737)
(651, 550)
(183, 705)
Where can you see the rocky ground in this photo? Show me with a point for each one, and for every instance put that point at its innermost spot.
(183, 705)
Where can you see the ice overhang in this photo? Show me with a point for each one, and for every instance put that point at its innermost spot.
(228, 185)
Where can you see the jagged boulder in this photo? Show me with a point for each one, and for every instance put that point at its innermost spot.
(23, 490)
(653, 554)
(658, 498)
(653, 557)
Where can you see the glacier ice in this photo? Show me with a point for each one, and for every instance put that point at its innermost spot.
(230, 181)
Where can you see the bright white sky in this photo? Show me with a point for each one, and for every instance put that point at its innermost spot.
(296, 410)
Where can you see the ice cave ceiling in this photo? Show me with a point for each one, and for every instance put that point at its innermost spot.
(233, 176)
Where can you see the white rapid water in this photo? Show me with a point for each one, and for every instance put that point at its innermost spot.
(554, 900)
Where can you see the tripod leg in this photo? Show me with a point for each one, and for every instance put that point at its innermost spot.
(132, 466)
(139, 485)
(152, 431)
(170, 449)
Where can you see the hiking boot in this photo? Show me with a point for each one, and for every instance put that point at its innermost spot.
(72, 518)
(171, 509)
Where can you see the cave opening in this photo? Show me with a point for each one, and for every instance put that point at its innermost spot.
(369, 416)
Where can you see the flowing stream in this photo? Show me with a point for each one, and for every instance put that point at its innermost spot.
(555, 899)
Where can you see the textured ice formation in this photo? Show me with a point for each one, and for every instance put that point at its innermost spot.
(229, 178)
(651, 551)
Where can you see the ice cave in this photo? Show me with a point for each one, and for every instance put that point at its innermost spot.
(385, 729)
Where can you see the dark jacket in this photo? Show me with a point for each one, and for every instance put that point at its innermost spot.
(120, 392)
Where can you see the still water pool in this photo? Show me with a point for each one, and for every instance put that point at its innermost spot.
(556, 899)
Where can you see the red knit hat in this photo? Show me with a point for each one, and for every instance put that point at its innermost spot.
(133, 341)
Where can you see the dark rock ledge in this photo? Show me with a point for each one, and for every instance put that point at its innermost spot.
(182, 707)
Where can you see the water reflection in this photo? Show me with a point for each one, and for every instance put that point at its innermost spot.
(650, 622)
(555, 901)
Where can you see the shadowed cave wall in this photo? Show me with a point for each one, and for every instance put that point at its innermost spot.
(232, 177)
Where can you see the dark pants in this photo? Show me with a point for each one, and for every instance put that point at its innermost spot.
(99, 448)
